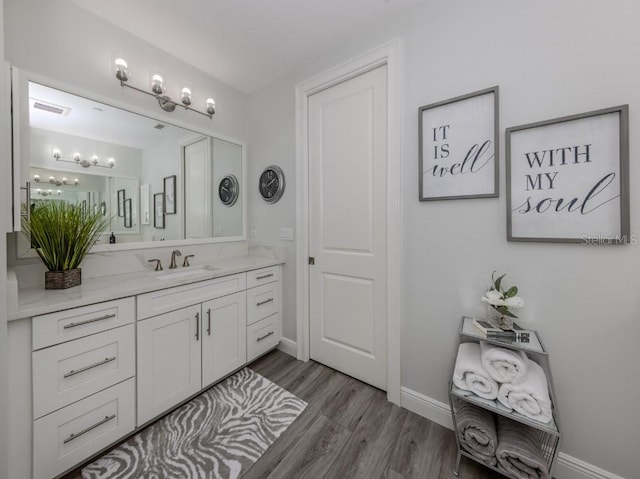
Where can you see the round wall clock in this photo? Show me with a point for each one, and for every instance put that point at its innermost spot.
(271, 183)
(228, 190)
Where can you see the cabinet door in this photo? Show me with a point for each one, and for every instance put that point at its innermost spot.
(224, 330)
(169, 364)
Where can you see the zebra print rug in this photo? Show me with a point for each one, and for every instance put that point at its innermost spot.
(218, 434)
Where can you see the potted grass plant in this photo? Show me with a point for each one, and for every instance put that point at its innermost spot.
(62, 235)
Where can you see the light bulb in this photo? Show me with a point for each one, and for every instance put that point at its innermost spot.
(94, 159)
(156, 85)
(52, 179)
(76, 157)
(186, 96)
(211, 106)
(56, 154)
(111, 162)
(75, 181)
(121, 70)
(59, 192)
(64, 181)
(36, 178)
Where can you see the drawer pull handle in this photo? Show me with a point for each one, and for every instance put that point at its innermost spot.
(73, 372)
(264, 337)
(264, 302)
(197, 326)
(90, 428)
(209, 321)
(101, 318)
(264, 276)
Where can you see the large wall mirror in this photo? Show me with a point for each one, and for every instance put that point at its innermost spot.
(154, 180)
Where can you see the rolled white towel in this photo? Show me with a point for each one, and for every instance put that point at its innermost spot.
(529, 397)
(502, 364)
(469, 375)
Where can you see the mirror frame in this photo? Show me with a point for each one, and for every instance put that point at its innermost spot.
(20, 104)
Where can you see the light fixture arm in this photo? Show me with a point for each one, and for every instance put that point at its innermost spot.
(165, 102)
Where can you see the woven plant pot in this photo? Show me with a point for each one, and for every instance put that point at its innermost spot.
(62, 279)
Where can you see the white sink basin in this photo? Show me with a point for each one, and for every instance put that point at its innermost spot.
(184, 273)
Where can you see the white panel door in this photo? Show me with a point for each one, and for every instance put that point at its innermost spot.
(169, 361)
(197, 190)
(224, 336)
(348, 226)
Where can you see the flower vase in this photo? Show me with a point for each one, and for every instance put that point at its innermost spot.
(499, 319)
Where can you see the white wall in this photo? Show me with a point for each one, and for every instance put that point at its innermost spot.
(550, 58)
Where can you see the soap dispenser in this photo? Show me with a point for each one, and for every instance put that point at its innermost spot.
(112, 238)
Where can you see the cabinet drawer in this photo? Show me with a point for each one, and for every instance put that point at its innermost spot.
(263, 275)
(68, 372)
(263, 336)
(56, 328)
(263, 301)
(67, 437)
(171, 299)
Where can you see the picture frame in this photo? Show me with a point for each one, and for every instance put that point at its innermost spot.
(120, 203)
(568, 179)
(459, 147)
(170, 195)
(127, 213)
(158, 210)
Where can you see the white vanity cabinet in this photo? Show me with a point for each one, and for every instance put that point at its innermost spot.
(224, 349)
(264, 306)
(83, 368)
(86, 377)
(168, 361)
(182, 351)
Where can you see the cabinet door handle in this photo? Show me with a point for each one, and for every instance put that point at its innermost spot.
(264, 337)
(260, 303)
(73, 372)
(101, 318)
(90, 428)
(197, 326)
(264, 276)
(209, 321)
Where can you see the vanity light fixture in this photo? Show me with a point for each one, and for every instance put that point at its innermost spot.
(157, 91)
(56, 181)
(78, 160)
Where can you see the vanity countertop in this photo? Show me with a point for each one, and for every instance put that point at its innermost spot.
(37, 300)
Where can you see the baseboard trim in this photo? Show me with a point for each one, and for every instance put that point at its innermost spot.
(288, 346)
(567, 467)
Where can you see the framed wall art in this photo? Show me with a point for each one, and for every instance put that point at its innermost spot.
(158, 210)
(568, 179)
(127, 213)
(459, 147)
(121, 203)
(170, 195)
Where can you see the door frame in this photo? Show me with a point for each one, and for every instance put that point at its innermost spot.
(389, 55)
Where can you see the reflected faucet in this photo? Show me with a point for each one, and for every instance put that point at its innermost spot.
(174, 253)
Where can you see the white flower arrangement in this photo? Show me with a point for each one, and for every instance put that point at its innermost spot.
(500, 300)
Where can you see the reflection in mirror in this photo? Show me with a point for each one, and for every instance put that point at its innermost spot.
(120, 161)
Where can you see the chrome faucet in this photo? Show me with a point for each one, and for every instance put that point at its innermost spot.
(174, 253)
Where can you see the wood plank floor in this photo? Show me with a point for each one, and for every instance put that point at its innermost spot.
(349, 430)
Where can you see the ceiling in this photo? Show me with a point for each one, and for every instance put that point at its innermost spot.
(248, 43)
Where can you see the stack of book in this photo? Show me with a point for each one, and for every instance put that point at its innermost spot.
(493, 331)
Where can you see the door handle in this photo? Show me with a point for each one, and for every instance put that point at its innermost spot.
(90, 428)
(73, 372)
(197, 326)
(260, 303)
(101, 318)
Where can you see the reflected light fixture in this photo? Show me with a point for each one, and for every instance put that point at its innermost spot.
(56, 181)
(157, 91)
(78, 160)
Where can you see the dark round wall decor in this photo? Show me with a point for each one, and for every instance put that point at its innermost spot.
(228, 190)
(271, 184)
